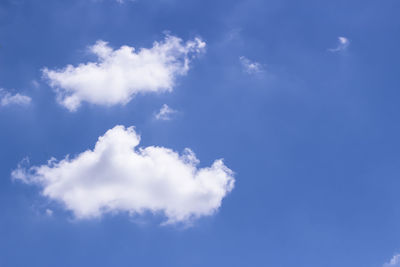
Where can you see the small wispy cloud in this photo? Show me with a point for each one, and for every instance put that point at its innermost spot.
(251, 67)
(233, 34)
(342, 45)
(35, 84)
(49, 212)
(165, 113)
(7, 99)
(118, 1)
(394, 262)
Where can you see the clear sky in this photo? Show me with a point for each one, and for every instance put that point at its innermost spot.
(199, 133)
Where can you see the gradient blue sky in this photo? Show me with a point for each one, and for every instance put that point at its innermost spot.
(312, 136)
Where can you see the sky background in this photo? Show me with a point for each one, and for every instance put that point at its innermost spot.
(312, 134)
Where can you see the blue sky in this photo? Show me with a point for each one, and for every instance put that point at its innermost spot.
(299, 99)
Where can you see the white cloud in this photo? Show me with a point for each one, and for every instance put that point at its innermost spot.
(249, 66)
(165, 113)
(394, 262)
(118, 75)
(343, 44)
(6, 99)
(117, 176)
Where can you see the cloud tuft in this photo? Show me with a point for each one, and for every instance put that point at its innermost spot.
(394, 262)
(7, 99)
(249, 66)
(118, 75)
(342, 45)
(165, 113)
(117, 176)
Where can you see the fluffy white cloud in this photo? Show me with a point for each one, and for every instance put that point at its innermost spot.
(118, 75)
(116, 176)
(343, 44)
(394, 262)
(249, 66)
(165, 113)
(6, 99)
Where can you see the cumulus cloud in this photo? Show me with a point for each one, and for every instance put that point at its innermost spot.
(6, 99)
(165, 113)
(118, 75)
(249, 66)
(342, 45)
(117, 176)
(394, 262)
